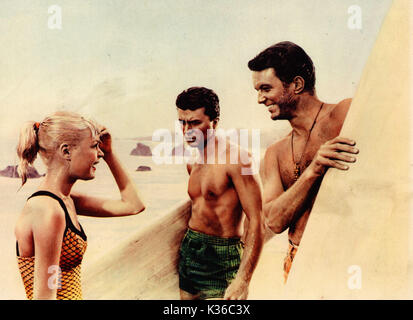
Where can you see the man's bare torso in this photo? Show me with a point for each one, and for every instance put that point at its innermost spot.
(216, 207)
(328, 127)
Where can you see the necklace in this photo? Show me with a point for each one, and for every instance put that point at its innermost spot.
(297, 168)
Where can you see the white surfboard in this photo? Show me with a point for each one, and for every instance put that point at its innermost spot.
(144, 266)
(355, 245)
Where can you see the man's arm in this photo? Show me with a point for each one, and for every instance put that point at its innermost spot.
(248, 188)
(281, 207)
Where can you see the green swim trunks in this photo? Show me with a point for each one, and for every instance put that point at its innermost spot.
(207, 264)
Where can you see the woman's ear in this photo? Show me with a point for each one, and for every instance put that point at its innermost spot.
(299, 84)
(65, 151)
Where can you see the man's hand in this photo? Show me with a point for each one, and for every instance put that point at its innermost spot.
(331, 152)
(237, 290)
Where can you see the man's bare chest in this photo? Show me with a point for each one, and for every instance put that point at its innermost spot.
(296, 155)
(208, 181)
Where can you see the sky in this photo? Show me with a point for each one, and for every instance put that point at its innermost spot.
(124, 62)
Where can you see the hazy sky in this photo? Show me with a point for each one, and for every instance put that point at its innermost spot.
(124, 62)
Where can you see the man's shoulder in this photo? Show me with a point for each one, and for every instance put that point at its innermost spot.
(189, 168)
(339, 110)
(273, 155)
(274, 148)
(239, 160)
(344, 104)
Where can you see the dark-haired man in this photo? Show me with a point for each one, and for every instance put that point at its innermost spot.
(213, 262)
(294, 166)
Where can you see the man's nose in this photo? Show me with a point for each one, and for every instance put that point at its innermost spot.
(261, 98)
(189, 132)
(186, 127)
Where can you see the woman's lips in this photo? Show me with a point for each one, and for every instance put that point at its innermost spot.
(94, 165)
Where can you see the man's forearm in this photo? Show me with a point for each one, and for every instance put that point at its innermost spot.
(253, 246)
(280, 212)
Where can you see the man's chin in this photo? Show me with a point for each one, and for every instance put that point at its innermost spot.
(275, 116)
(279, 116)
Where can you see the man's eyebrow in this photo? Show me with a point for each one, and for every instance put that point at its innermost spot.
(190, 120)
(262, 85)
(258, 85)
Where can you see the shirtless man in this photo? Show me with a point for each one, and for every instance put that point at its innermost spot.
(214, 263)
(294, 166)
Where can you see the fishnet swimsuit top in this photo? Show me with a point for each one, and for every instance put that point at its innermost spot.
(73, 248)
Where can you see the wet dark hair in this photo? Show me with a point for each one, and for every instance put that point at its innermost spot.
(288, 60)
(199, 97)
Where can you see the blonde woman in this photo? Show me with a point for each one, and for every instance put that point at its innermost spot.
(49, 236)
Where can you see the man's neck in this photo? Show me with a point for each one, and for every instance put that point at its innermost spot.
(303, 118)
(206, 152)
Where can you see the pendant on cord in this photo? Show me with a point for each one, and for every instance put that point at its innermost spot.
(297, 171)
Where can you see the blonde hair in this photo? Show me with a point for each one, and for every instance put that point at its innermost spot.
(46, 137)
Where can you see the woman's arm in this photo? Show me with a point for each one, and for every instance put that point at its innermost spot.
(130, 202)
(48, 228)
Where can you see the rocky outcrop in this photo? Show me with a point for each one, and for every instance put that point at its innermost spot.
(144, 168)
(11, 172)
(141, 150)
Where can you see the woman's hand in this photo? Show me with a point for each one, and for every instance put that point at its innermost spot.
(105, 141)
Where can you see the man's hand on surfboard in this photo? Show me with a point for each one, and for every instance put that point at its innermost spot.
(332, 154)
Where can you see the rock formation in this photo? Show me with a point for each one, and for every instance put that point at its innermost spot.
(11, 172)
(141, 150)
(144, 168)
